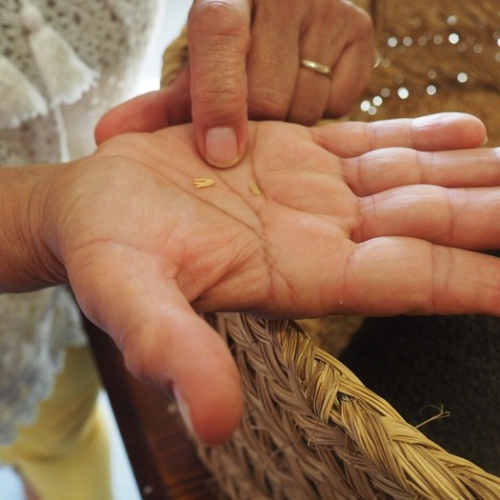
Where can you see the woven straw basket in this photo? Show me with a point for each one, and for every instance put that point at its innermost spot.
(311, 430)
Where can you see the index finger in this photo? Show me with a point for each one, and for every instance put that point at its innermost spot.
(438, 132)
(219, 39)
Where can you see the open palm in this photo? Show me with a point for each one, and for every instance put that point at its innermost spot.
(343, 218)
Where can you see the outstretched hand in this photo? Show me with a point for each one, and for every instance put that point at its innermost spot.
(244, 61)
(346, 218)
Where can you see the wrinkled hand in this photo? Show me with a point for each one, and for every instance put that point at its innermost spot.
(245, 61)
(342, 224)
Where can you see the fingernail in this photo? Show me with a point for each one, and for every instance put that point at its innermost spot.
(183, 409)
(485, 141)
(221, 147)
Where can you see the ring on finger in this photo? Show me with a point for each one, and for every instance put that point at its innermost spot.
(316, 67)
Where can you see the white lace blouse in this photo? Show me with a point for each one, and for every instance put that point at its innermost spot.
(62, 64)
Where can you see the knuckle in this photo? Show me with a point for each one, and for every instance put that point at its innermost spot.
(284, 12)
(220, 95)
(361, 24)
(329, 11)
(366, 25)
(356, 21)
(217, 20)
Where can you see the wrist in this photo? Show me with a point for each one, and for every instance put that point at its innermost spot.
(27, 261)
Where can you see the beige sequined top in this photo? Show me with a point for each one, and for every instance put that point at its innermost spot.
(62, 64)
(441, 55)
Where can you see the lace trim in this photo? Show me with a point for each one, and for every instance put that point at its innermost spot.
(65, 75)
(35, 330)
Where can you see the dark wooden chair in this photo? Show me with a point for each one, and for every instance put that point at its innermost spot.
(163, 459)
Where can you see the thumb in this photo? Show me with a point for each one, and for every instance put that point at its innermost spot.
(164, 342)
(178, 349)
(219, 39)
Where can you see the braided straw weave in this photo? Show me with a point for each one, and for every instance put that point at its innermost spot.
(311, 430)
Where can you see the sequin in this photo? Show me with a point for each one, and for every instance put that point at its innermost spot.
(429, 48)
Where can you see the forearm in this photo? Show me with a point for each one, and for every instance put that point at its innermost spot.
(26, 263)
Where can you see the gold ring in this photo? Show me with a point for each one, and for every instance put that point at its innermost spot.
(316, 67)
